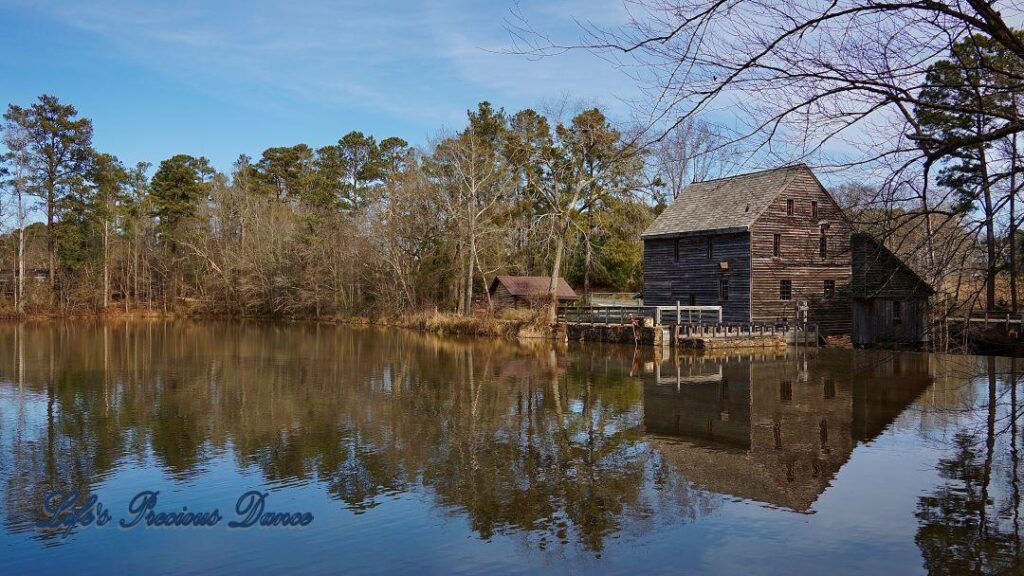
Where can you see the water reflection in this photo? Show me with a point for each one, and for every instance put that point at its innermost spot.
(970, 524)
(517, 438)
(570, 451)
(774, 428)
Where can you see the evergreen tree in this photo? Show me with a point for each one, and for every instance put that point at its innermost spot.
(59, 146)
(176, 190)
(110, 200)
(967, 81)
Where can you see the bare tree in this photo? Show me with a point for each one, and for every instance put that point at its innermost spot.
(692, 151)
(473, 179)
(18, 166)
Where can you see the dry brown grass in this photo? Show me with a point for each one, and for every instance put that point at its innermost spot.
(506, 324)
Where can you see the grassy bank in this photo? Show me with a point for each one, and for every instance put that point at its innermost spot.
(504, 324)
(507, 324)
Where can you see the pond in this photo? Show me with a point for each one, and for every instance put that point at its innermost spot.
(403, 452)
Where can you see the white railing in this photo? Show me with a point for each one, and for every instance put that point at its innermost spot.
(660, 315)
(690, 314)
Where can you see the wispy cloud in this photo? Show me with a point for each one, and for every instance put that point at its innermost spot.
(416, 61)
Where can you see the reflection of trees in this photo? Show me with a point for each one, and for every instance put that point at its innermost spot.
(970, 525)
(517, 438)
(550, 452)
(955, 535)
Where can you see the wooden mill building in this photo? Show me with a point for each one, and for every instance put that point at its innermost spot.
(771, 246)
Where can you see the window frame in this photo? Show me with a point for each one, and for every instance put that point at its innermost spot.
(723, 290)
(814, 208)
(897, 312)
(786, 290)
(790, 207)
(828, 288)
(675, 250)
(776, 245)
(710, 248)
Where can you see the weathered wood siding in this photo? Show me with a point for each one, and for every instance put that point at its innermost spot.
(880, 280)
(799, 260)
(667, 280)
(874, 323)
(879, 273)
(502, 298)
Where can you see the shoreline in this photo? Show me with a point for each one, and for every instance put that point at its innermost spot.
(508, 325)
(441, 323)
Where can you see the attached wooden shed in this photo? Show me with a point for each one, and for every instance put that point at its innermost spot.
(526, 291)
(890, 301)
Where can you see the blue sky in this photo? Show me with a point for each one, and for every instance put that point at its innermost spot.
(221, 78)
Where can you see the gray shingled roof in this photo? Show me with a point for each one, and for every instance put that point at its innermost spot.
(731, 203)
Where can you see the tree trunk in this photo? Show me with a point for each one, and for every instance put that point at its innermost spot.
(486, 287)
(51, 246)
(990, 235)
(19, 288)
(588, 256)
(1013, 224)
(928, 233)
(135, 268)
(556, 268)
(106, 263)
(467, 305)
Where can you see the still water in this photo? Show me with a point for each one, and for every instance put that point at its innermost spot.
(428, 455)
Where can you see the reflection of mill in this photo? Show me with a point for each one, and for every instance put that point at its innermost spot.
(774, 428)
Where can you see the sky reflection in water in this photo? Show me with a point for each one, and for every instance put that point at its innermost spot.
(441, 455)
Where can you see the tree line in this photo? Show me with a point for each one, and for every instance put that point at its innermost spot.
(923, 102)
(356, 227)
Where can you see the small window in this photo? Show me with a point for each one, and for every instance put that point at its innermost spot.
(711, 248)
(723, 289)
(777, 245)
(785, 289)
(789, 207)
(823, 245)
(675, 248)
(814, 209)
(830, 288)
(786, 391)
(830, 388)
(897, 312)
(693, 299)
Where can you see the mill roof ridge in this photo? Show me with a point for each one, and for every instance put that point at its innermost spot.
(728, 203)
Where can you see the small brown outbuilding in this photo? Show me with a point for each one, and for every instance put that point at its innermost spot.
(525, 291)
